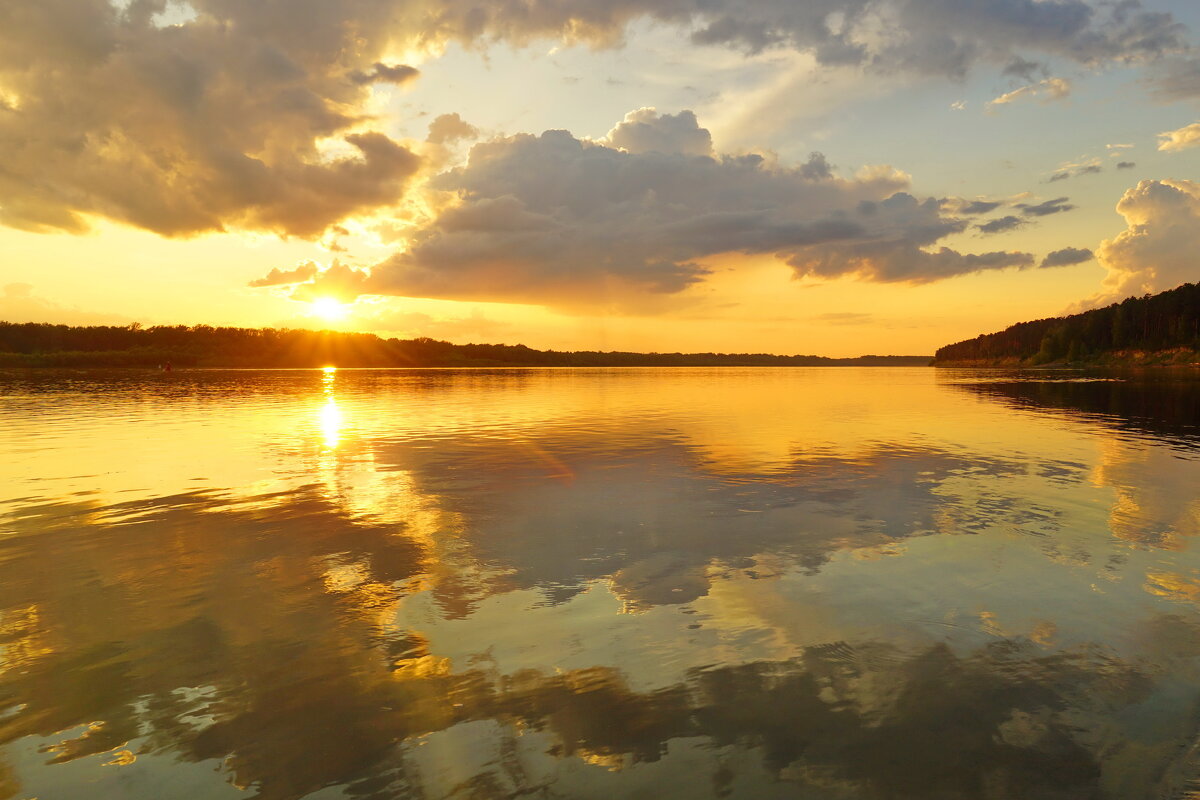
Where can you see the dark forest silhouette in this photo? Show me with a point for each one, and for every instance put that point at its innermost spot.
(43, 345)
(1169, 321)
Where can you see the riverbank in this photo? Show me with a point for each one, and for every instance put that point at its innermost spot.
(1174, 357)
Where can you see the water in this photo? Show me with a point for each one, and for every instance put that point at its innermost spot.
(686, 583)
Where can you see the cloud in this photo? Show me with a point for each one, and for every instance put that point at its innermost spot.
(1002, 224)
(1022, 68)
(646, 131)
(448, 128)
(1126, 165)
(1055, 206)
(1075, 170)
(1066, 257)
(1183, 139)
(280, 277)
(944, 37)
(254, 115)
(340, 281)
(244, 116)
(1176, 79)
(1046, 91)
(1157, 250)
(398, 74)
(571, 223)
(958, 205)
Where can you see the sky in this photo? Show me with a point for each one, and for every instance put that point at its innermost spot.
(830, 177)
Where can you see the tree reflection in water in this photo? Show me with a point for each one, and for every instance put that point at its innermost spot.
(457, 615)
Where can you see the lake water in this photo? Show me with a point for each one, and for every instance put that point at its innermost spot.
(599, 583)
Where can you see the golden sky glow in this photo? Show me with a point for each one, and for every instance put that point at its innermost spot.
(809, 182)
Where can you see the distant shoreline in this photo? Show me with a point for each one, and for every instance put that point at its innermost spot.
(44, 345)
(39, 361)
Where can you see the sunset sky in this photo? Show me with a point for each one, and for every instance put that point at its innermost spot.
(835, 177)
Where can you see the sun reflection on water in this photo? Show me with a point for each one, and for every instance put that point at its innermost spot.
(331, 420)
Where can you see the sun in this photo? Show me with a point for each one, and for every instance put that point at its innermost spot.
(328, 308)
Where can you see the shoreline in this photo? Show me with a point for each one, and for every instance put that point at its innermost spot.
(1175, 357)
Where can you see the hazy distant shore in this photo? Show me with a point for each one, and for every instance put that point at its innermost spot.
(120, 359)
(43, 345)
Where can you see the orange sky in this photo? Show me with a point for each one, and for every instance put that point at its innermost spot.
(641, 177)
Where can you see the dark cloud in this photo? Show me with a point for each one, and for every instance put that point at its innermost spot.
(216, 123)
(979, 207)
(556, 220)
(1176, 79)
(1024, 69)
(938, 36)
(1062, 175)
(239, 116)
(1043, 209)
(1002, 224)
(1066, 257)
(1126, 165)
(398, 74)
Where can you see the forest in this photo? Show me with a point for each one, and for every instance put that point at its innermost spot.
(1164, 326)
(45, 345)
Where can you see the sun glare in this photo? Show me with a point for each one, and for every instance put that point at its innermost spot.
(328, 308)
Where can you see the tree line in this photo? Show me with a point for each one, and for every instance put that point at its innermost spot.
(1166, 321)
(44, 345)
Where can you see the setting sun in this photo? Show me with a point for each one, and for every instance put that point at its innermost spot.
(329, 308)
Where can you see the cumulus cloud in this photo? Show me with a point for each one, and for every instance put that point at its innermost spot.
(340, 281)
(1066, 257)
(1055, 206)
(1046, 91)
(1186, 137)
(1002, 224)
(216, 123)
(557, 220)
(647, 131)
(1157, 250)
(1126, 165)
(253, 115)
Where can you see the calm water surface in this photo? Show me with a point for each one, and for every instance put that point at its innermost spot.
(639, 583)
